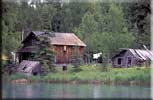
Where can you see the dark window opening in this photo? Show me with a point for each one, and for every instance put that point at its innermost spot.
(119, 61)
(35, 73)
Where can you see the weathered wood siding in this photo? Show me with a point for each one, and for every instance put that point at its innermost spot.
(64, 56)
(30, 41)
(124, 62)
(134, 60)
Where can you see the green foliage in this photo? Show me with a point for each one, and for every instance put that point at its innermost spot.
(105, 28)
(138, 16)
(46, 14)
(76, 60)
(14, 76)
(9, 35)
(45, 55)
(92, 72)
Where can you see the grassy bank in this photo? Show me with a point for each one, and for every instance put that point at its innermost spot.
(91, 72)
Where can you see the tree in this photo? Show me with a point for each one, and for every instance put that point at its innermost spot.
(76, 60)
(45, 54)
(71, 15)
(105, 30)
(104, 27)
(46, 14)
(9, 35)
(138, 15)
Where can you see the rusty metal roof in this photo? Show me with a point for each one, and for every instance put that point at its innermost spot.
(66, 39)
(62, 38)
(141, 54)
(28, 66)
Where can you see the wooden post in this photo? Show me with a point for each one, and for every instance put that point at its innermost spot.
(64, 67)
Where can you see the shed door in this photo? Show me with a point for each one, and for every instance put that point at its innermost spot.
(129, 61)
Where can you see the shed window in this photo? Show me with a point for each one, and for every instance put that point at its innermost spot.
(119, 61)
(35, 73)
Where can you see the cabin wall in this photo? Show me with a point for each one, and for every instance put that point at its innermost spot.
(64, 53)
(130, 59)
(24, 56)
(30, 41)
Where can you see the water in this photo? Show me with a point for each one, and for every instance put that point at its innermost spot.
(49, 90)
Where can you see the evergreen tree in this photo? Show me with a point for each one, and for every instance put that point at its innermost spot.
(9, 34)
(45, 53)
(138, 16)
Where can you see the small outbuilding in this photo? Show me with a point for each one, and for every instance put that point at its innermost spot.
(30, 67)
(132, 57)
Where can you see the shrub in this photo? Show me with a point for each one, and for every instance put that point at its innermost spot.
(17, 76)
(76, 61)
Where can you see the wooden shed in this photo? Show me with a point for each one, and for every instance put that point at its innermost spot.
(30, 67)
(63, 44)
(132, 57)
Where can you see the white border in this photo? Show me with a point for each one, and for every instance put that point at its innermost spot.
(151, 27)
(81, 1)
(121, 1)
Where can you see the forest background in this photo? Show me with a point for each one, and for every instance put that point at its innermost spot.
(103, 26)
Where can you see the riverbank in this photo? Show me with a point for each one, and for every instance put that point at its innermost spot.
(93, 74)
(129, 83)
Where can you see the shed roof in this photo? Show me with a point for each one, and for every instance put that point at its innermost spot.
(28, 66)
(142, 54)
(139, 53)
(61, 38)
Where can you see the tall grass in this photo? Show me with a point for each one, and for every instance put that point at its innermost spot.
(93, 72)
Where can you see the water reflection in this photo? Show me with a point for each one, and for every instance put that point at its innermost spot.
(46, 90)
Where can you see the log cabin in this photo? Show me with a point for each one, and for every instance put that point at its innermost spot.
(63, 44)
(132, 57)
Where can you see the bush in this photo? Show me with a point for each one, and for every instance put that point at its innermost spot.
(16, 76)
(76, 61)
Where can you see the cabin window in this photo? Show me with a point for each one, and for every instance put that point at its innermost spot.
(119, 61)
(64, 48)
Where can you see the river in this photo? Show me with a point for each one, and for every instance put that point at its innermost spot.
(62, 90)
